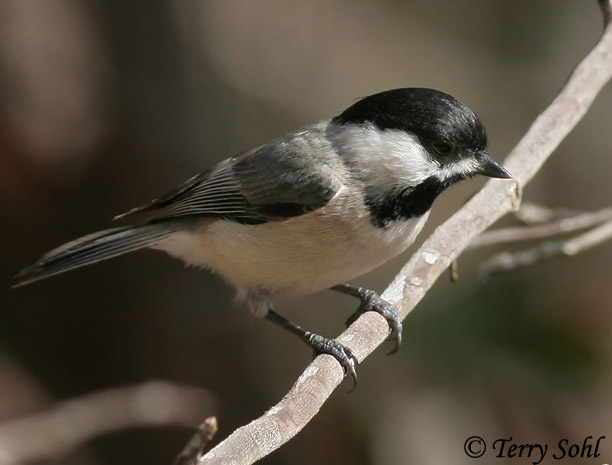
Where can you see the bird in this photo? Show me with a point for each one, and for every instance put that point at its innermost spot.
(310, 210)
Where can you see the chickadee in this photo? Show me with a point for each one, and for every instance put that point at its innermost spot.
(311, 210)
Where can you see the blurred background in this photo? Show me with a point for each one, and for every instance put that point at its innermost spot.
(104, 105)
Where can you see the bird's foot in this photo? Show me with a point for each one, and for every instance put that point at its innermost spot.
(320, 344)
(372, 302)
(344, 355)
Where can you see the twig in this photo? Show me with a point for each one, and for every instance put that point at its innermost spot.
(69, 424)
(508, 261)
(531, 213)
(283, 421)
(453, 271)
(197, 444)
(564, 225)
(589, 239)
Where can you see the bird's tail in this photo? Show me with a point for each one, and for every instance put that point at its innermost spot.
(94, 248)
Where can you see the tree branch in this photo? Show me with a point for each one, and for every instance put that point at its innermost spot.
(508, 261)
(539, 231)
(531, 213)
(69, 424)
(196, 446)
(283, 421)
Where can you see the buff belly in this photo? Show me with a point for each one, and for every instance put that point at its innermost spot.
(298, 256)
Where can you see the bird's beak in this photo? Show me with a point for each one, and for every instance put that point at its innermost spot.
(489, 167)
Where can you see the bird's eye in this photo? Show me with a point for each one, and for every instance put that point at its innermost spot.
(442, 149)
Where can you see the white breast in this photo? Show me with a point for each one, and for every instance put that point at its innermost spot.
(298, 256)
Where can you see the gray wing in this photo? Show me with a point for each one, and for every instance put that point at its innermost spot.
(271, 183)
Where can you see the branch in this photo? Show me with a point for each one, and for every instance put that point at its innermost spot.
(532, 213)
(283, 421)
(508, 261)
(69, 424)
(196, 446)
(539, 231)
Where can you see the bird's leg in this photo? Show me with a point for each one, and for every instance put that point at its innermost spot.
(371, 301)
(260, 305)
(320, 344)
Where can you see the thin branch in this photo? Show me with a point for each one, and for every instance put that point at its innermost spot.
(509, 261)
(69, 424)
(283, 421)
(196, 446)
(539, 231)
(532, 213)
(589, 239)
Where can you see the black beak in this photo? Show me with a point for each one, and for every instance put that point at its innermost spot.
(489, 167)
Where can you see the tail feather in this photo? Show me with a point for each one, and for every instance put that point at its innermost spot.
(94, 248)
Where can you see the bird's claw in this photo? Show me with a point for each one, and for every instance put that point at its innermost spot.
(372, 302)
(344, 355)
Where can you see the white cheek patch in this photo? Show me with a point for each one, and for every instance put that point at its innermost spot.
(385, 157)
(465, 167)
